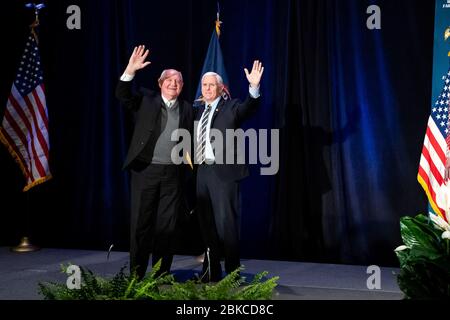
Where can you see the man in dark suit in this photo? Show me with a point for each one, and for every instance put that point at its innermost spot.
(156, 182)
(217, 179)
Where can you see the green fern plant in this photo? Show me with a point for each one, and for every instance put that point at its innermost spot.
(163, 287)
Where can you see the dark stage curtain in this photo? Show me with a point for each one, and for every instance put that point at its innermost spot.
(355, 109)
(351, 105)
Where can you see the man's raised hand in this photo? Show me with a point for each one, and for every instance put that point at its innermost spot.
(137, 60)
(254, 78)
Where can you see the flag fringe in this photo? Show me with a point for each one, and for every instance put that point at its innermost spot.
(35, 183)
(430, 199)
(12, 152)
(20, 163)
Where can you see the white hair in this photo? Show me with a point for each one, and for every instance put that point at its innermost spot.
(167, 74)
(218, 77)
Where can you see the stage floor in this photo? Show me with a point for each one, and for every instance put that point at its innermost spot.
(20, 274)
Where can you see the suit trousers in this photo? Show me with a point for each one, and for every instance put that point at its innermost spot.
(218, 205)
(155, 205)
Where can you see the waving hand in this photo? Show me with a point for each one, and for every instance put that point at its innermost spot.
(137, 60)
(254, 77)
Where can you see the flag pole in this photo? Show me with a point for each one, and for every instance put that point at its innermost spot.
(25, 244)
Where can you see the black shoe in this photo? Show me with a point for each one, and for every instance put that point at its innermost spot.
(215, 278)
(139, 277)
(139, 272)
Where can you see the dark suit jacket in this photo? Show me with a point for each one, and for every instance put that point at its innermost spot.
(147, 107)
(229, 114)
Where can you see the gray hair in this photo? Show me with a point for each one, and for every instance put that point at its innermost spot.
(167, 74)
(218, 77)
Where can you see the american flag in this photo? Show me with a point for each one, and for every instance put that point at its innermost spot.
(24, 129)
(435, 147)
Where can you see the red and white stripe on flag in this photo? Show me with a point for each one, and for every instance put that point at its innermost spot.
(432, 164)
(24, 128)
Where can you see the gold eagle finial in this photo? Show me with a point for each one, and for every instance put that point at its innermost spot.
(218, 23)
(446, 36)
(447, 33)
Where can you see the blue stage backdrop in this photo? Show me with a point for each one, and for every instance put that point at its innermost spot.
(351, 105)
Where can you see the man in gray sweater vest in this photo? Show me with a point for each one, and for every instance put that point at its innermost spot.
(156, 182)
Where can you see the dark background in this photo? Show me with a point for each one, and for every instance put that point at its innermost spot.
(351, 105)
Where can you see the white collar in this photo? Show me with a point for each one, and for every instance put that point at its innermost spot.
(169, 103)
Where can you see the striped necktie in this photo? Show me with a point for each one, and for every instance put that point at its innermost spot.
(201, 147)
